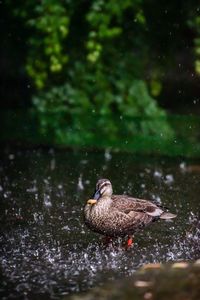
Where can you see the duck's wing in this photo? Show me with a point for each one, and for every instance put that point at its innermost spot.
(127, 205)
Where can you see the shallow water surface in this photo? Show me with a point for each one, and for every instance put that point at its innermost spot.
(45, 247)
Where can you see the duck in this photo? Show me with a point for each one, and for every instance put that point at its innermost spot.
(120, 215)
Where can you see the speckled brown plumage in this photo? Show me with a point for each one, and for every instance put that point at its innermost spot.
(119, 215)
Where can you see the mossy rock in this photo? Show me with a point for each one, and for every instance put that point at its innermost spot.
(177, 281)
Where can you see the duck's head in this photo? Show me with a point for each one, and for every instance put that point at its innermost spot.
(103, 189)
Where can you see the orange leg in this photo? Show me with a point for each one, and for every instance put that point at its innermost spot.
(129, 242)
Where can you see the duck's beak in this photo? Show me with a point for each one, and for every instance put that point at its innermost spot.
(97, 195)
(91, 201)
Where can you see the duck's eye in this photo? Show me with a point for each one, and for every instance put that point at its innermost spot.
(103, 185)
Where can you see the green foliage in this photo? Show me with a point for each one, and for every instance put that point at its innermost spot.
(194, 22)
(89, 61)
(49, 24)
(67, 113)
(100, 18)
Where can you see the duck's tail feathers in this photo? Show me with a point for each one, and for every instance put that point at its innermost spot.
(167, 216)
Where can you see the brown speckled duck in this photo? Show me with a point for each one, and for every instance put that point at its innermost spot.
(119, 215)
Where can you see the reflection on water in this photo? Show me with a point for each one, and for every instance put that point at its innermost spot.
(45, 247)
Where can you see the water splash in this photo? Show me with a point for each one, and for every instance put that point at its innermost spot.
(47, 250)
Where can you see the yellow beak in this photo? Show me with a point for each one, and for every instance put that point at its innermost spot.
(91, 201)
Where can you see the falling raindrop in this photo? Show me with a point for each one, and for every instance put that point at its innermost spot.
(80, 183)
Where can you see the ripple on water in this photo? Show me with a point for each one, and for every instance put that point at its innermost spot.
(46, 249)
(36, 261)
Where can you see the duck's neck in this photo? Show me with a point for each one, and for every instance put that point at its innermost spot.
(104, 203)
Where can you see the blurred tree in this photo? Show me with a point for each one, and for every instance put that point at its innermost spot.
(194, 22)
(94, 62)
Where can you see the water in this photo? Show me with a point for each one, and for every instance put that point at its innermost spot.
(47, 251)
